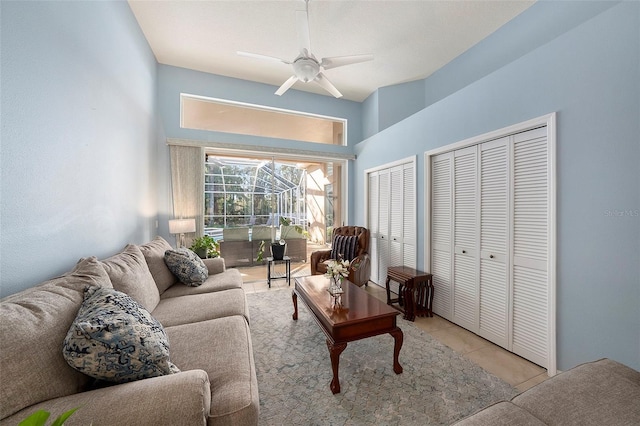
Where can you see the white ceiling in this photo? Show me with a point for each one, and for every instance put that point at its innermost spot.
(409, 39)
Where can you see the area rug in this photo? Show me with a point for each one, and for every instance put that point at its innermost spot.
(293, 367)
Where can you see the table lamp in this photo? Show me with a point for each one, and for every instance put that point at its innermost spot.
(182, 226)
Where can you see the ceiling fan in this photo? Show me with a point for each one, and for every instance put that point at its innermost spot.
(306, 67)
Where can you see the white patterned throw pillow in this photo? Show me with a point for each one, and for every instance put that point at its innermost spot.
(115, 339)
(187, 266)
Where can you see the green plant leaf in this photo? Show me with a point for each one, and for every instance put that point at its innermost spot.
(39, 418)
(63, 417)
(284, 221)
(260, 256)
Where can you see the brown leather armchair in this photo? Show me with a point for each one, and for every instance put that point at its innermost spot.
(360, 272)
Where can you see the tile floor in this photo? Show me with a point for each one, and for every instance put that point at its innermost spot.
(509, 367)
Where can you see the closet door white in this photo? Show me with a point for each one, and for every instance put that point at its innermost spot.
(372, 222)
(530, 249)
(396, 214)
(391, 218)
(465, 234)
(409, 254)
(492, 238)
(441, 238)
(494, 241)
(384, 183)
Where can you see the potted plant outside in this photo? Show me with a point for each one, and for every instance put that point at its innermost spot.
(205, 247)
(278, 249)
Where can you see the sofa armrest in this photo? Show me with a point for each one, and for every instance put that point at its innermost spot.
(181, 398)
(317, 257)
(215, 265)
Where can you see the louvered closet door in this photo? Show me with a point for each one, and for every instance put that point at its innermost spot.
(494, 239)
(441, 206)
(396, 216)
(383, 225)
(465, 234)
(531, 218)
(372, 222)
(409, 254)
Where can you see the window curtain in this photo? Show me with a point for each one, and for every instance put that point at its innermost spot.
(187, 184)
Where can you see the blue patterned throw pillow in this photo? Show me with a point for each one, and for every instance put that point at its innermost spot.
(187, 266)
(115, 339)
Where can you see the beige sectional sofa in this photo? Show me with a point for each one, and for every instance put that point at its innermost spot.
(208, 335)
(602, 392)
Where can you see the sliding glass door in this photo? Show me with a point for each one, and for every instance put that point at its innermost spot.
(250, 191)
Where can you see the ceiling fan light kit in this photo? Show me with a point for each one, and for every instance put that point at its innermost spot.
(306, 67)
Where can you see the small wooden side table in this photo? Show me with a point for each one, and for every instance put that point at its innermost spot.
(271, 273)
(415, 293)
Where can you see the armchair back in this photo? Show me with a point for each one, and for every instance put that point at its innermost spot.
(360, 275)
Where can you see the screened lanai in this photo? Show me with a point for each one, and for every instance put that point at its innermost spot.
(248, 192)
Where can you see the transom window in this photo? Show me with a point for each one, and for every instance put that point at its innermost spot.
(219, 115)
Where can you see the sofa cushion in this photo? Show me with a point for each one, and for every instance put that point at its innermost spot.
(130, 274)
(235, 234)
(231, 278)
(115, 339)
(589, 394)
(261, 233)
(230, 366)
(201, 307)
(215, 265)
(33, 325)
(176, 399)
(344, 247)
(187, 266)
(154, 255)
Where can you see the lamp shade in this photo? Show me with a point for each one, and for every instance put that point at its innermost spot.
(182, 226)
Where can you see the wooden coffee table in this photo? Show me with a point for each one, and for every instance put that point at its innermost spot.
(361, 316)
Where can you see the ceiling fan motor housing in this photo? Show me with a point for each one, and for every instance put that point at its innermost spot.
(306, 69)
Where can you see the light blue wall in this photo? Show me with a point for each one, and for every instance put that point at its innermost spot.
(390, 105)
(590, 75)
(536, 26)
(370, 118)
(399, 102)
(85, 165)
(172, 81)
(78, 136)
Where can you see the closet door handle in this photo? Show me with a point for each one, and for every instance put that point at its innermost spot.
(490, 256)
(464, 251)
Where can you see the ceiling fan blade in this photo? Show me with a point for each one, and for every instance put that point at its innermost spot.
(327, 85)
(340, 61)
(302, 21)
(286, 85)
(258, 56)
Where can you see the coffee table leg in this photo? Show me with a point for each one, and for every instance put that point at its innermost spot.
(334, 352)
(398, 337)
(294, 296)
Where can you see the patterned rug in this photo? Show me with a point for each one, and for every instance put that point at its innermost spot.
(437, 386)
